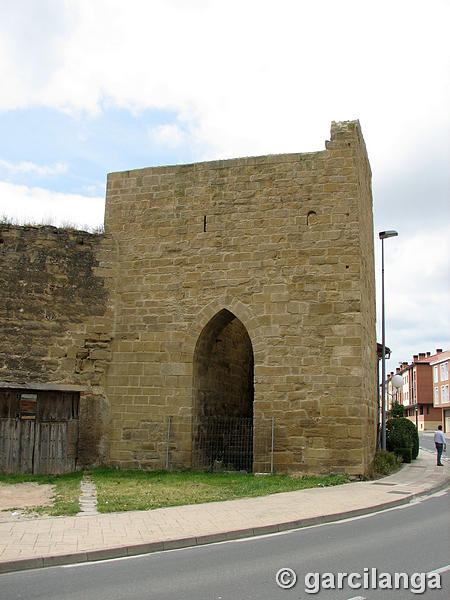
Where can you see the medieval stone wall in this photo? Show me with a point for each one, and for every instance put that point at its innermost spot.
(284, 243)
(237, 288)
(54, 329)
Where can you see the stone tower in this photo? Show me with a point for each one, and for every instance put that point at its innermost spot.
(244, 289)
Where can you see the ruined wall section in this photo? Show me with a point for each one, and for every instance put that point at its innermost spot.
(279, 242)
(55, 319)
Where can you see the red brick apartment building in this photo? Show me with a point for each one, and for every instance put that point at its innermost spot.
(425, 390)
(441, 394)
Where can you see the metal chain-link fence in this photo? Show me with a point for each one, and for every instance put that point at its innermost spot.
(223, 444)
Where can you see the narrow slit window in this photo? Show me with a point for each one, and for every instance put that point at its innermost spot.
(204, 223)
(311, 218)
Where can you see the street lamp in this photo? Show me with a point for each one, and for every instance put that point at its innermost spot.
(383, 235)
(397, 383)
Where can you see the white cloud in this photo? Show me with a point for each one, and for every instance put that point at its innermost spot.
(168, 135)
(30, 167)
(256, 76)
(417, 288)
(96, 188)
(32, 42)
(39, 205)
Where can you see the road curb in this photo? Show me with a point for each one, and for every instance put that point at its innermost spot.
(202, 540)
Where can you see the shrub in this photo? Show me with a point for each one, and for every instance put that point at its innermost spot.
(384, 463)
(402, 433)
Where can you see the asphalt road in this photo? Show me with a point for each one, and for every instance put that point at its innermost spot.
(426, 440)
(411, 539)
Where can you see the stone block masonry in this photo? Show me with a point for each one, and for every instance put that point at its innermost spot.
(225, 290)
(55, 327)
(246, 286)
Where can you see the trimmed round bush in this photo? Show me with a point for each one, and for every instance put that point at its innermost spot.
(402, 433)
(405, 454)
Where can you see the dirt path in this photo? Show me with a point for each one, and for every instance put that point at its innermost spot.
(25, 495)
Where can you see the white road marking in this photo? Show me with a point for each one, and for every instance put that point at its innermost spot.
(105, 560)
(440, 570)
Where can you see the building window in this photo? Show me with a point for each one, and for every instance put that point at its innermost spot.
(436, 395)
(444, 394)
(444, 371)
(435, 374)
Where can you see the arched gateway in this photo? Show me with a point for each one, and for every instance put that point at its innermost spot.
(223, 394)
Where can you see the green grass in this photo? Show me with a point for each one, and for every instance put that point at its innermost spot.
(66, 491)
(119, 490)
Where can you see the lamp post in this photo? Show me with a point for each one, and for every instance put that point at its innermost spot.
(397, 383)
(383, 235)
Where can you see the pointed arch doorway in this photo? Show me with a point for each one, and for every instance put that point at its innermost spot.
(223, 393)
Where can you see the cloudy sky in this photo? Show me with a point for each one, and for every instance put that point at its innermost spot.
(94, 86)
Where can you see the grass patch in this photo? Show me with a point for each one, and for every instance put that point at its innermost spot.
(66, 493)
(6, 220)
(122, 490)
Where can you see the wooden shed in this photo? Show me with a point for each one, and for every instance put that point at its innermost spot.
(38, 430)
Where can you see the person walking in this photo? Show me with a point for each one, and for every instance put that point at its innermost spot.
(440, 443)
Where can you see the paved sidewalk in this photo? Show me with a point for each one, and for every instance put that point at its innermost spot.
(47, 541)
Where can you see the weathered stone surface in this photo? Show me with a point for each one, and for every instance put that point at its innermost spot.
(53, 318)
(282, 246)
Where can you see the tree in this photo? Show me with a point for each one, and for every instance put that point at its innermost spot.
(397, 410)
